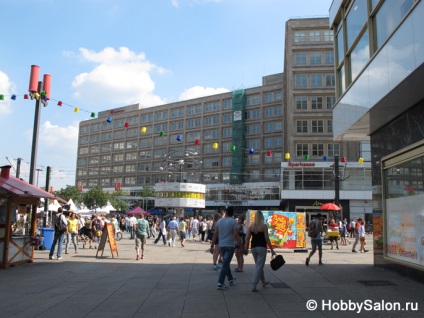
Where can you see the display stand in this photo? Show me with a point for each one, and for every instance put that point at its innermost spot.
(108, 235)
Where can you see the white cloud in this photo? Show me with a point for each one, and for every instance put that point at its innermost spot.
(199, 91)
(120, 78)
(6, 88)
(174, 3)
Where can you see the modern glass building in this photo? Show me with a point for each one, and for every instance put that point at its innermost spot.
(379, 78)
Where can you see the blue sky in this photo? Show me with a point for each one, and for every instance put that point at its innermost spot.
(104, 54)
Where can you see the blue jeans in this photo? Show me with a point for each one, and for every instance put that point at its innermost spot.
(163, 237)
(58, 239)
(227, 255)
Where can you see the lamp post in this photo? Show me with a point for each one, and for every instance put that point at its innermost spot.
(41, 92)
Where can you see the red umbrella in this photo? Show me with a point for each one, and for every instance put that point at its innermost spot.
(329, 207)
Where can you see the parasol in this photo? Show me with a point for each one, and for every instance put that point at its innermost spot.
(329, 207)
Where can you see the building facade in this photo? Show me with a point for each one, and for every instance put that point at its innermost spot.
(238, 143)
(379, 66)
(308, 173)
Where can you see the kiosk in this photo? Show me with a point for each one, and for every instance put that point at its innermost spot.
(15, 194)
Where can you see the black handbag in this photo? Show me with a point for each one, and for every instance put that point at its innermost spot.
(277, 261)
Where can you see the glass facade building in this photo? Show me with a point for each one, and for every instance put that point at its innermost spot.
(379, 70)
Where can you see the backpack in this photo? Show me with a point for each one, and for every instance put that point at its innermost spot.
(59, 225)
(313, 231)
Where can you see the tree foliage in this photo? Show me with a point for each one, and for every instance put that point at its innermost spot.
(70, 192)
(95, 198)
(117, 203)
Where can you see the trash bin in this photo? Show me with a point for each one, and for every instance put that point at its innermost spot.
(48, 235)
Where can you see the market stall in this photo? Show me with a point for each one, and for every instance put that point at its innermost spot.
(17, 247)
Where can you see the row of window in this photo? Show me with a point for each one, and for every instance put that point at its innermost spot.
(354, 45)
(315, 80)
(314, 102)
(313, 36)
(314, 126)
(266, 174)
(227, 118)
(317, 150)
(159, 153)
(267, 127)
(314, 58)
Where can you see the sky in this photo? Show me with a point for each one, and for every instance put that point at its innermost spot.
(104, 54)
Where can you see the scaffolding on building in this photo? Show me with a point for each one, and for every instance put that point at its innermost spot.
(238, 132)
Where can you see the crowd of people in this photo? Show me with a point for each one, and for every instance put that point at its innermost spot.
(227, 235)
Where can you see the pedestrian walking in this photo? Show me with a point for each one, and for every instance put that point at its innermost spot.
(227, 232)
(173, 231)
(72, 232)
(162, 232)
(141, 228)
(315, 226)
(257, 237)
(60, 226)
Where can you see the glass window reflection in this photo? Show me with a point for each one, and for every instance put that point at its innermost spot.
(355, 21)
(388, 18)
(360, 55)
(340, 49)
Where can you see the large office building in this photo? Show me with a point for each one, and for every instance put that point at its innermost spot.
(238, 143)
(379, 78)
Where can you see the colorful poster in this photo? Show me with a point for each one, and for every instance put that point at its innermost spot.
(405, 228)
(378, 231)
(285, 229)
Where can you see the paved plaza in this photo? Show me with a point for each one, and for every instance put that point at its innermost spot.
(180, 282)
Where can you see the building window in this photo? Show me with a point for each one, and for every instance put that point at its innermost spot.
(359, 56)
(299, 37)
(355, 20)
(331, 100)
(118, 146)
(329, 58)
(316, 102)
(118, 123)
(329, 126)
(302, 126)
(227, 104)
(83, 151)
(315, 58)
(226, 161)
(300, 80)
(301, 150)
(226, 132)
(129, 181)
(209, 107)
(300, 58)
(94, 160)
(301, 103)
(317, 126)
(118, 157)
(328, 36)
(146, 118)
(314, 36)
(129, 168)
(226, 118)
(268, 112)
(253, 100)
(131, 156)
(268, 128)
(278, 110)
(333, 150)
(316, 80)
(330, 80)
(317, 150)
(135, 120)
(105, 159)
(340, 46)
(269, 142)
(106, 147)
(278, 126)
(119, 134)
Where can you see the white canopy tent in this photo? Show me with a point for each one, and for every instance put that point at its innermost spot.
(72, 205)
(106, 209)
(54, 206)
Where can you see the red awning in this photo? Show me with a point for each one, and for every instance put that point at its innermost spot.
(24, 189)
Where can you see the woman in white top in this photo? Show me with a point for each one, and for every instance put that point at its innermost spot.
(361, 234)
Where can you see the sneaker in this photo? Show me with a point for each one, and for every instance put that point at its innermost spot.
(353, 251)
(50, 257)
(59, 258)
(222, 286)
(307, 261)
(215, 267)
(366, 251)
(232, 281)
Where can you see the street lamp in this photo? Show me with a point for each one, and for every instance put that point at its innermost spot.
(174, 163)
